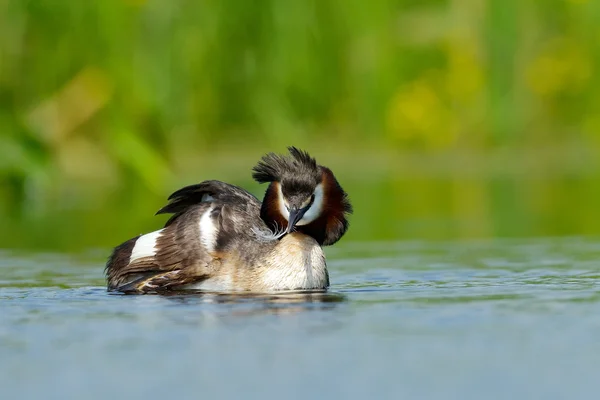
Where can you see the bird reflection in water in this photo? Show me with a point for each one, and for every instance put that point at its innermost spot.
(282, 303)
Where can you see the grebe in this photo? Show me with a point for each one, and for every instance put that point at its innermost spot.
(221, 238)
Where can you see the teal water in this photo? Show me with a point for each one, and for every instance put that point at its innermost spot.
(499, 319)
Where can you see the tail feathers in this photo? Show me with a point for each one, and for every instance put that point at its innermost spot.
(118, 260)
(119, 273)
(153, 282)
(147, 274)
(150, 282)
(130, 283)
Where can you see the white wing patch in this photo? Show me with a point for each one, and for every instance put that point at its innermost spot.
(145, 246)
(208, 230)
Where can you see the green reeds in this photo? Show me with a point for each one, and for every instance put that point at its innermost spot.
(108, 105)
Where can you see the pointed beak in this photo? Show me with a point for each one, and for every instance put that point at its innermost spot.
(295, 216)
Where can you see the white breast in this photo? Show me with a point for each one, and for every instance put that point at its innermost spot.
(298, 262)
(215, 284)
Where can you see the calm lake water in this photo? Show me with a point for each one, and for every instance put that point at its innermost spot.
(500, 319)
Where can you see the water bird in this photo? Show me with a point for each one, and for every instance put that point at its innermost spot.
(221, 238)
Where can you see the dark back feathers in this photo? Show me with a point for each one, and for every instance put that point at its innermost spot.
(181, 200)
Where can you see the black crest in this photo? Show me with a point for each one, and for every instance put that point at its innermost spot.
(276, 168)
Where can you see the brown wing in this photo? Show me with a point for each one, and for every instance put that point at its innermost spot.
(179, 255)
(180, 258)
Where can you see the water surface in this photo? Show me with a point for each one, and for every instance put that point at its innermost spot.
(455, 320)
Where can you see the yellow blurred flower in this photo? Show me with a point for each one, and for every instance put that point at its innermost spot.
(417, 113)
(465, 77)
(563, 67)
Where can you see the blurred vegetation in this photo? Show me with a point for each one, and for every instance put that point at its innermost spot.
(443, 118)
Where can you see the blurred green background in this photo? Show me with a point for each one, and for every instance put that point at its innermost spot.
(442, 118)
